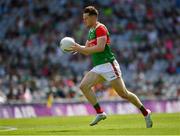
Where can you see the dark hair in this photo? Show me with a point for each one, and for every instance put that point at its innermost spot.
(91, 10)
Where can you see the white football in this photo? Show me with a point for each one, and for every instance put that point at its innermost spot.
(66, 43)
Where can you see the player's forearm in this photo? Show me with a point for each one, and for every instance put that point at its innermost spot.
(81, 50)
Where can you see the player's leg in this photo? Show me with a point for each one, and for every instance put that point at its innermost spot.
(89, 80)
(119, 86)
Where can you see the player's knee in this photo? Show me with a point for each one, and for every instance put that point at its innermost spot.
(84, 87)
(124, 95)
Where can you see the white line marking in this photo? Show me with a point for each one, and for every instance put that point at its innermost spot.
(7, 128)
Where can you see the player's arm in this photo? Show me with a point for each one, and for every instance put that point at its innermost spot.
(87, 43)
(101, 34)
(73, 49)
(101, 42)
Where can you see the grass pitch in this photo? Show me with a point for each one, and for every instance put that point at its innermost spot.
(164, 124)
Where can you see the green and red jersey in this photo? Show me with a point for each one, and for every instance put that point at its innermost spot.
(106, 55)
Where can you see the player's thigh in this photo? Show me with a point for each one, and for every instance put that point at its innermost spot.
(119, 86)
(91, 79)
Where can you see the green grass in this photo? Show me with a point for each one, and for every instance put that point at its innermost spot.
(164, 124)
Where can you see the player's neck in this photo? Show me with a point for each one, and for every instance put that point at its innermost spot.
(95, 24)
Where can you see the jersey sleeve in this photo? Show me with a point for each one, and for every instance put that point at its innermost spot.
(101, 31)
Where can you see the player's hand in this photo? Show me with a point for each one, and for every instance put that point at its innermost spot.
(75, 48)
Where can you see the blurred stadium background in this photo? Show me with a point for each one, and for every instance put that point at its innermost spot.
(37, 79)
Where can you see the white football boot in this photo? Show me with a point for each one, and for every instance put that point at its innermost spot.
(148, 120)
(99, 117)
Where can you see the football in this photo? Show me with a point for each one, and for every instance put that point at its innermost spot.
(66, 43)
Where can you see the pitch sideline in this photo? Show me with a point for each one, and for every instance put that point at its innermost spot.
(7, 128)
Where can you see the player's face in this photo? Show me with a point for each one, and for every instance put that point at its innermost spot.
(88, 20)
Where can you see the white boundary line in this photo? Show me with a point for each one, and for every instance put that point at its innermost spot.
(7, 128)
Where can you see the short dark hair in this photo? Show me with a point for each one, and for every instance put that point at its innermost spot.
(91, 10)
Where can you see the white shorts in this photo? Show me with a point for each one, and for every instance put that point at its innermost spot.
(109, 71)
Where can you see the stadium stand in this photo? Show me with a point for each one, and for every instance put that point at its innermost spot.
(145, 36)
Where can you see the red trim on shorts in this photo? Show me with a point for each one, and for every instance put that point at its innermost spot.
(115, 70)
